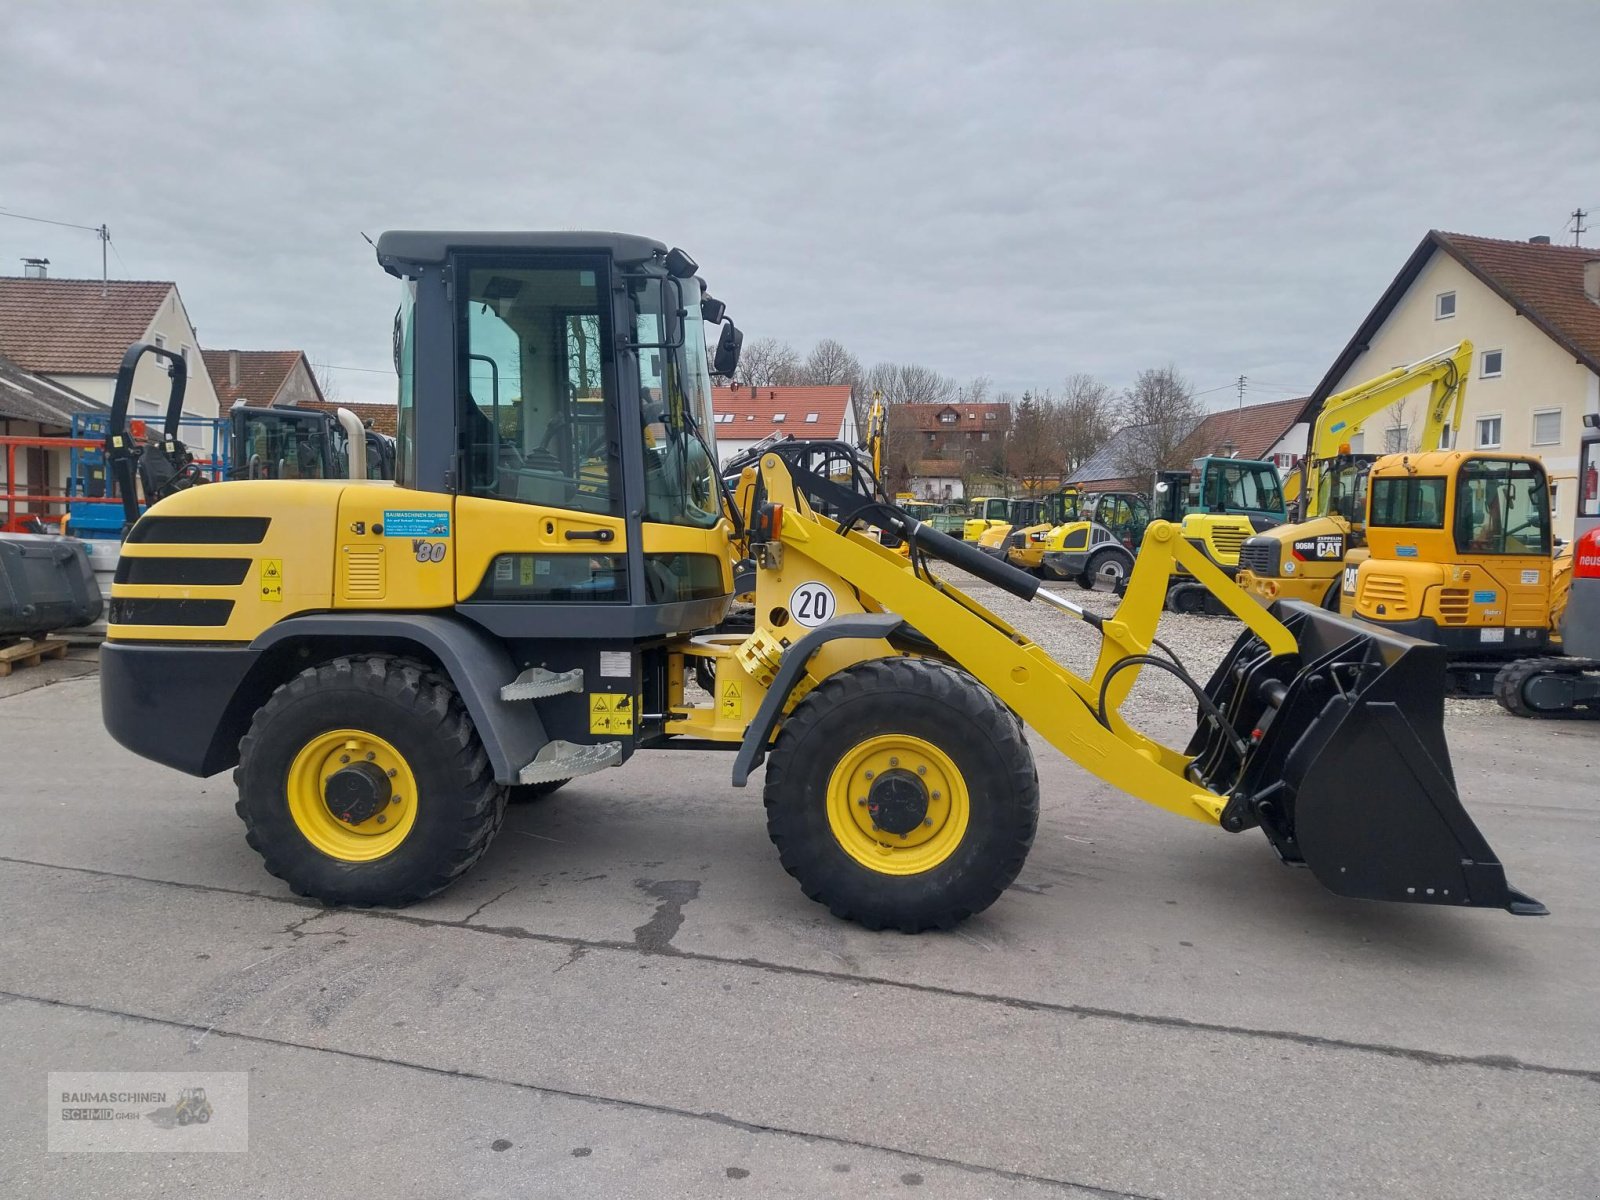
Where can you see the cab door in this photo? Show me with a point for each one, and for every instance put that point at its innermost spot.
(539, 505)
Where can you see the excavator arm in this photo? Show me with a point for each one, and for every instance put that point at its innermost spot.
(1344, 413)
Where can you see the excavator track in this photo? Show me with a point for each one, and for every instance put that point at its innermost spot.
(1511, 687)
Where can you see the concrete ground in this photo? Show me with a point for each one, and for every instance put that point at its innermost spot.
(628, 997)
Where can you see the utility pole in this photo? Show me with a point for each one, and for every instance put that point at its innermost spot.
(1578, 227)
(104, 235)
(1241, 391)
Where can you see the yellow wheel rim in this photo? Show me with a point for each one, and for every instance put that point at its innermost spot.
(898, 805)
(322, 757)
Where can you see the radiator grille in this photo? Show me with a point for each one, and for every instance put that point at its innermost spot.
(1227, 541)
(1387, 590)
(1454, 604)
(363, 573)
(1259, 555)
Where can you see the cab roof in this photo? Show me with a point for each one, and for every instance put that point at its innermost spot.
(1443, 462)
(400, 248)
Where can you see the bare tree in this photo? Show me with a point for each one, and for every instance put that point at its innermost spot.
(908, 383)
(1088, 419)
(327, 383)
(1033, 452)
(830, 363)
(1399, 432)
(974, 391)
(1159, 412)
(767, 362)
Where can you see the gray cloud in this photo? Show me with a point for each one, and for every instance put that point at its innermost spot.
(1018, 190)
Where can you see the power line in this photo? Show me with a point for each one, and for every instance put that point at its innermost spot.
(6, 212)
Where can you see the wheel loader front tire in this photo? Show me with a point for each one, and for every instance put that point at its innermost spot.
(901, 794)
(416, 800)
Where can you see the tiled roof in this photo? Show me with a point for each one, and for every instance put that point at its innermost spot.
(1544, 283)
(25, 396)
(1251, 431)
(260, 374)
(753, 414)
(380, 417)
(66, 327)
(976, 418)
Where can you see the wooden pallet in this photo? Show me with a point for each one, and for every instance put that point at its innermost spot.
(30, 653)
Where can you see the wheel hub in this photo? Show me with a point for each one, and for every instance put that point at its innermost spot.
(898, 802)
(358, 792)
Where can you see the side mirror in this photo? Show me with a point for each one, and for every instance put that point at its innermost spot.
(680, 265)
(726, 359)
(712, 310)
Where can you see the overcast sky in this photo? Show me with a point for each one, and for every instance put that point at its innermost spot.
(1015, 190)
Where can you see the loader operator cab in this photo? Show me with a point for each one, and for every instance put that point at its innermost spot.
(582, 416)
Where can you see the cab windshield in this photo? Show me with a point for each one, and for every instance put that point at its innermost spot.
(675, 402)
(1501, 508)
(1233, 486)
(1342, 491)
(995, 509)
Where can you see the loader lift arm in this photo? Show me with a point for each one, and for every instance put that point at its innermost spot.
(1299, 690)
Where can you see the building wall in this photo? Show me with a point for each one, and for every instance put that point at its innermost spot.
(1536, 374)
(171, 322)
(298, 387)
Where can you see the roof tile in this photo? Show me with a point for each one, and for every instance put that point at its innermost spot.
(261, 373)
(67, 327)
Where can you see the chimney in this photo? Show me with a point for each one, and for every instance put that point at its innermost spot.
(1539, 239)
(35, 268)
(752, 391)
(233, 368)
(1591, 279)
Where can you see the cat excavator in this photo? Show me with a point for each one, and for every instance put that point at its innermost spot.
(382, 666)
(1305, 560)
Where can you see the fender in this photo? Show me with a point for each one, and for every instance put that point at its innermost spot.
(477, 664)
(753, 750)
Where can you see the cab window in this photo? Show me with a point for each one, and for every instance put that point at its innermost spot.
(1408, 502)
(537, 393)
(1502, 507)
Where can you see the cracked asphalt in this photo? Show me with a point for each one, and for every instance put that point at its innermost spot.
(629, 997)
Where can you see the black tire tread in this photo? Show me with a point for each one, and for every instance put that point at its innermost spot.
(982, 716)
(423, 690)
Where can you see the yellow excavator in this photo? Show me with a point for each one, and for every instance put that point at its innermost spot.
(1305, 560)
(381, 666)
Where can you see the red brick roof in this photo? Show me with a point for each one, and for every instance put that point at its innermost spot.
(753, 414)
(1252, 430)
(66, 327)
(1544, 283)
(380, 417)
(261, 374)
(974, 418)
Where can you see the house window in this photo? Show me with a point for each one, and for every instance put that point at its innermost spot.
(779, 418)
(1488, 433)
(1555, 502)
(1444, 438)
(986, 436)
(930, 436)
(811, 418)
(1444, 306)
(159, 340)
(1546, 426)
(1396, 438)
(989, 416)
(1492, 361)
(949, 418)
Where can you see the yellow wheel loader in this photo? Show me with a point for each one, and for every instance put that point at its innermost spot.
(986, 513)
(381, 665)
(1306, 559)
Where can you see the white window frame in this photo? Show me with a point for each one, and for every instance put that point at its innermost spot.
(1438, 306)
(1533, 434)
(779, 418)
(811, 418)
(159, 340)
(1477, 431)
(1483, 365)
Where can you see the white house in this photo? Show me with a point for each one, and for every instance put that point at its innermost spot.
(75, 331)
(1532, 312)
(745, 415)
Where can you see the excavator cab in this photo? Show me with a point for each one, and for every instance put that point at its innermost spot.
(385, 667)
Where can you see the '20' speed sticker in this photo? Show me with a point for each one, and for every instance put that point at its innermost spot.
(812, 604)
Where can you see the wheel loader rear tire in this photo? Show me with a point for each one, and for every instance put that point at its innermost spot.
(393, 858)
(953, 782)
